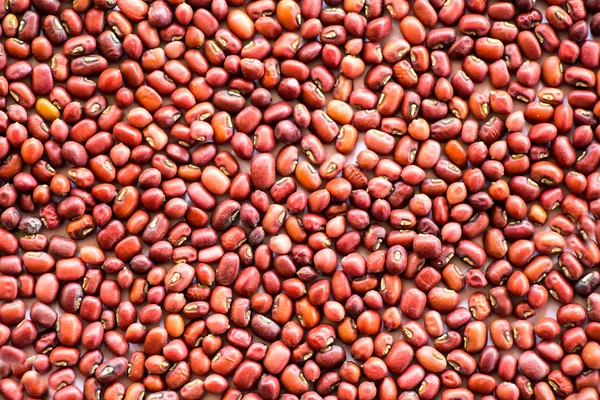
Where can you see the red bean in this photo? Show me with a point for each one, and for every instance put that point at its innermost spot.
(415, 206)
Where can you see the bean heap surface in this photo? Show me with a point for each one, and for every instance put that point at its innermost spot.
(355, 199)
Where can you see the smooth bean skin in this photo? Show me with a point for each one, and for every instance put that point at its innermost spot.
(243, 191)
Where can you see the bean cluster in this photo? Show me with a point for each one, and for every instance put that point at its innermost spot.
(183, 273)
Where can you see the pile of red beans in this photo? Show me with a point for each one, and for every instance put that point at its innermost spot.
(299, 200)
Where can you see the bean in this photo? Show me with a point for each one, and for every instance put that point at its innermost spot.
(418, 114)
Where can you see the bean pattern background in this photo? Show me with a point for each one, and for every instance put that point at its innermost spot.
(354, 199)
